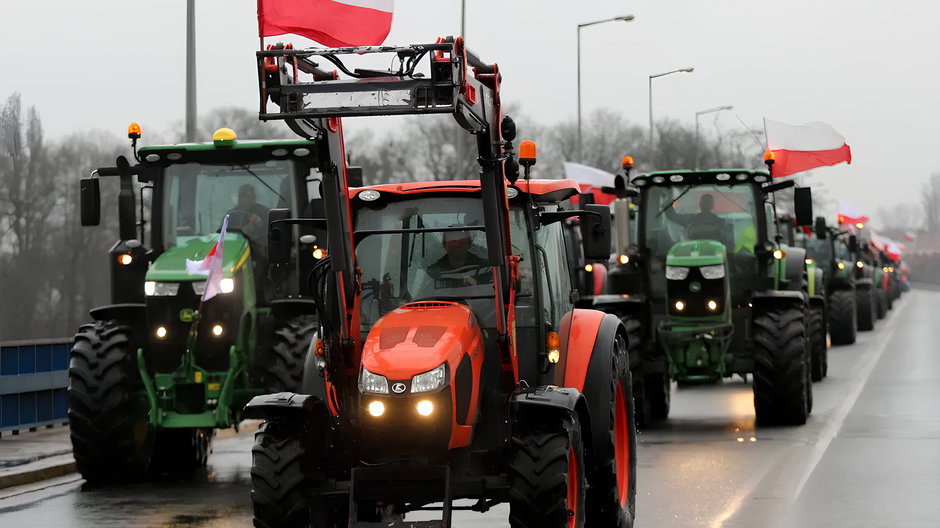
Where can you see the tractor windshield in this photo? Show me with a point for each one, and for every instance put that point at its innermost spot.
(725, 213)
(436, 250)
(198, 196)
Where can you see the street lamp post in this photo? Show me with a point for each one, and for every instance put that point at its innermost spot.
(682, 70)
(190, 71)
(701, 113)
(625, 18)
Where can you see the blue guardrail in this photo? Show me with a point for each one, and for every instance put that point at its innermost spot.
(33, 380)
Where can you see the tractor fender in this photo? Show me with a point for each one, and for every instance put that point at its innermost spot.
(776, 297)
(795, 266)
(311, 381)
(281, 405)
(590, 331)
(129, 313)
(285, 309)
(548, 400)
(634, 305)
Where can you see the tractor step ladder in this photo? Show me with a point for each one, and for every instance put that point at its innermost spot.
(400, 482)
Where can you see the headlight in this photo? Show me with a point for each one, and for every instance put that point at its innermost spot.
(840, 265)
(227, 285)
(161, 289)
(373, 383)
(431, 380)
(676, 272)
(713, 272)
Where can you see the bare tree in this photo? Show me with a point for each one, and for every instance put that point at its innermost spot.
(930, 201)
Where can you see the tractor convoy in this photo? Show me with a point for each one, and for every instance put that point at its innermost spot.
(407, 346)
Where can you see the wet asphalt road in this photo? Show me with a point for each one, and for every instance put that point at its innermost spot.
(870, 456)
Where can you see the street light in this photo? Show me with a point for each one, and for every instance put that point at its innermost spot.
(625, 18)
(682, 70)
(701, 113)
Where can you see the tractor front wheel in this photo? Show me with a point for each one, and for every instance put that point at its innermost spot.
(547, 481)
(843, 317)
(285, 364)
(111, 435)
(866, 309)
(881, 303)
(816, 329)
(781, 384)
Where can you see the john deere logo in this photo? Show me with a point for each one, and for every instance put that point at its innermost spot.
(187, 315)
(398, 388)
(695, 287)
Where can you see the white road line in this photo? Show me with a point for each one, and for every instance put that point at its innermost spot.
(834, 425)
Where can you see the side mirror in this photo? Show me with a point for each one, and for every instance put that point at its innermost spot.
(585, 199)
(803, 206)
(595, 232)
(821, 229)
(279, 237)
(853, 243)
(90, 196)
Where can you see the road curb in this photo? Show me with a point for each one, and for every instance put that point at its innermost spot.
(30, 476)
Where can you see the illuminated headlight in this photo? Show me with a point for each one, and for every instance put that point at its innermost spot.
(372, 383)
(840, 265)
(376, 408)
(431, 380)
(161, 289)
(677, 272)
(859, 264)
(227, 285)
(425, 408)
(679, 305)
(623, 259)
(713, 272)
(712, 305)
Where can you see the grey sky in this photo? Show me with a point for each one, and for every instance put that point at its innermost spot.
(865, 67)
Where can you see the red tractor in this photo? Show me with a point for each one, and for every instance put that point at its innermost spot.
(449, 363)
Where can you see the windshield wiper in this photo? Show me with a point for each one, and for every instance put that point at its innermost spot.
(247, 169)
(676, 199)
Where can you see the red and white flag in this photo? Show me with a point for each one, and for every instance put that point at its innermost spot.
(851, 215)
(211, 266)
(333, 23)
(590, 180)
(798, 148)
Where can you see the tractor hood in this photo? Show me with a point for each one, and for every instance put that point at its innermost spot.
(419, 337)
(171, 264)
(696, 253)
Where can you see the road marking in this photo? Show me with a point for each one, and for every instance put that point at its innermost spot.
(835, 423)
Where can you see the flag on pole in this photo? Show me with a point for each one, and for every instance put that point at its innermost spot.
(333, 23)
(851, 215)
(798, 148)
(210, 266)
(591, 180)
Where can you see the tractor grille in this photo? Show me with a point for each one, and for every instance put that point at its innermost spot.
(695, 300)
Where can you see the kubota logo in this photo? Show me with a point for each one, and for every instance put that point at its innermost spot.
(398, 388)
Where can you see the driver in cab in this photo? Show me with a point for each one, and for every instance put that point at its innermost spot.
(249, 216)
(459, 266)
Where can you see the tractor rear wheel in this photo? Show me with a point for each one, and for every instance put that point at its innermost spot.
(285, 365)
(611, 496)
(843, 317)
(816, 330)
(283, 470)
(866, 309)
(177, 451)
(781, 383)
(112, 439)
(547, 484)
(634, 339)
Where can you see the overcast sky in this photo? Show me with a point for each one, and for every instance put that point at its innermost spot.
(867, 68)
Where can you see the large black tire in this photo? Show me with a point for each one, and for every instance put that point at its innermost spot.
(781, 382)
(634, 340)
(843, 317)
(611, 495)
(881, 303)
(659, 395)
(816, 331)
(285, 363)
(865, 308)
(284, 468)
(111, 436)
(546, 462)
(178, 451)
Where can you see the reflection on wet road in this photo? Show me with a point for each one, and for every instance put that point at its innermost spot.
(872, 441)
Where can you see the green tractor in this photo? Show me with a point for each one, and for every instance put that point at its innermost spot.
(159, 369)
(714, 289)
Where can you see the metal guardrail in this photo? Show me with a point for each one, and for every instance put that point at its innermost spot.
(33, 383)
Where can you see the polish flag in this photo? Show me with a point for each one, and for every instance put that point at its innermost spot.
(798, 148)
(851, 215)
(591, 180)
(211, 266)
(333, 23)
